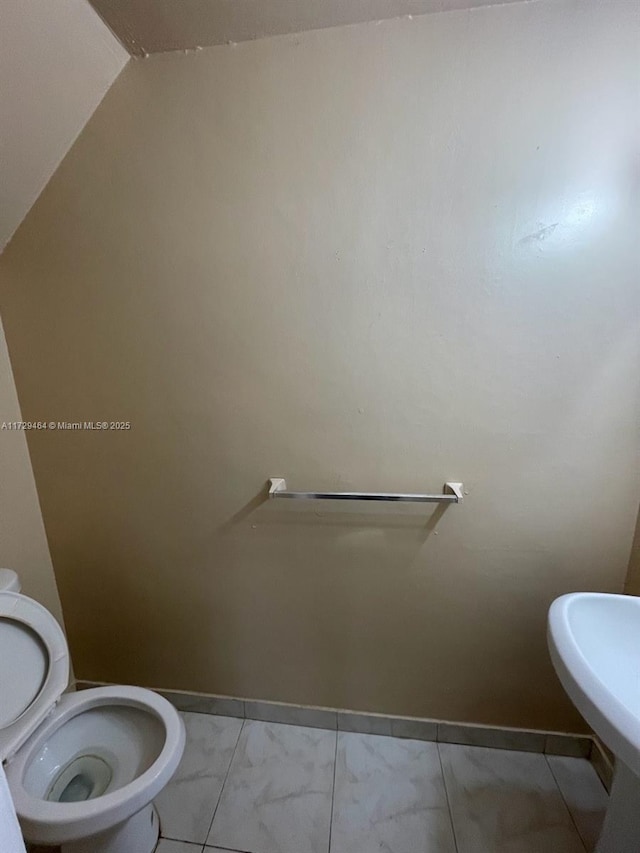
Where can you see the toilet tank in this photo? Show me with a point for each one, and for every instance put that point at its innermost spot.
(9, 581)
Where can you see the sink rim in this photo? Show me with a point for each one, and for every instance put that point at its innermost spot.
(610, 718)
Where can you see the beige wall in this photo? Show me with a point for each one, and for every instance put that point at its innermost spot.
(632, 585)
(57, 60)
(376, 257)
(23, 544)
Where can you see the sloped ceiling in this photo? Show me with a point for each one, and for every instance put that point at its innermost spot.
(152, 26)
(57, 61)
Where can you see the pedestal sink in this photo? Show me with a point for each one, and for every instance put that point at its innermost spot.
(594, 641)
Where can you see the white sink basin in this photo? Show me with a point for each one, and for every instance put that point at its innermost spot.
(594, 641)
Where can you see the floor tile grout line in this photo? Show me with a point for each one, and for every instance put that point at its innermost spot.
(230, 849)
(226, 776)
(566, 805)
(333, 790)
(446, 793)
(162, 836)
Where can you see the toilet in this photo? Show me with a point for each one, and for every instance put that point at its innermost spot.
(83, 768)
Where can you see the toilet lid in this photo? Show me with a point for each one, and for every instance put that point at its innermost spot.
(34, 668)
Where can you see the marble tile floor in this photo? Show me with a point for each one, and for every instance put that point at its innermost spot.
(261, 787)
(246, 786)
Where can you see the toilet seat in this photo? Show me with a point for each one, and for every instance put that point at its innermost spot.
(34, 668)
(48, 822)
(83, 768)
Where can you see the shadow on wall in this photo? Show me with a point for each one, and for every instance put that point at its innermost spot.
(325, 512)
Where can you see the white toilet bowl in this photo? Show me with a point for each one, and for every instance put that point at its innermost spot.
(82, 769)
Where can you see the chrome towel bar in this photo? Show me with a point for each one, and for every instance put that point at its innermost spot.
(453, 494)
